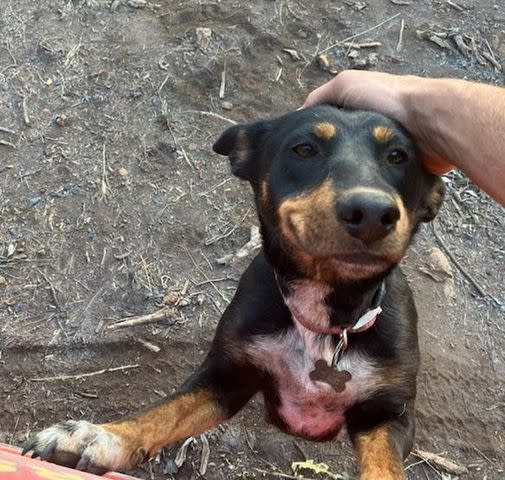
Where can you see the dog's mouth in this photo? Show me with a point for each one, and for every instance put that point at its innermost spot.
(326, 252)
(356, 265)
(329, 260)
(363, 261)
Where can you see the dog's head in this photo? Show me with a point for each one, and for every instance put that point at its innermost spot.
(342, 192)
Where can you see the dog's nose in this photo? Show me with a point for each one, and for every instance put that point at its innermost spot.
(368, 216)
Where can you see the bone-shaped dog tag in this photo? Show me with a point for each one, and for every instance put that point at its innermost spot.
(324, 373)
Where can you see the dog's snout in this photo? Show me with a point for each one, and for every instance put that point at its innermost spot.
(368, 216)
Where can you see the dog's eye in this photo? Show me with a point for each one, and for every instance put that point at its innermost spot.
(305, 150)
(397, 156)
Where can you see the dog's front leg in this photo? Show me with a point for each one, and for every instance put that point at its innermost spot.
(213, 394)
(381, 447)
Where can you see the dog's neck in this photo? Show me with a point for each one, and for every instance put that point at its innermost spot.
(328, 308)
(320, 306)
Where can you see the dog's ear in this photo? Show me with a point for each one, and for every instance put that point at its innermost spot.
(242, 144)
(433, 196)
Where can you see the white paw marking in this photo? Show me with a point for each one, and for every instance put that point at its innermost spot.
(92, 446)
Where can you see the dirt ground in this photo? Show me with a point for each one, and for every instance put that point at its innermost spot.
(110, 198)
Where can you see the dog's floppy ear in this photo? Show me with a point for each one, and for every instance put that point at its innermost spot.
(433, 196)
(242, 144)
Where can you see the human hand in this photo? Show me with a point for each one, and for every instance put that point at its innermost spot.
(384, 93)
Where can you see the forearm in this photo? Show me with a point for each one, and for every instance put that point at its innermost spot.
(463, 122)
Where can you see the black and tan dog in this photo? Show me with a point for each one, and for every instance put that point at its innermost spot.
(323, 322)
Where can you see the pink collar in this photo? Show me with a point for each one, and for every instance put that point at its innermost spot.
(364, 322)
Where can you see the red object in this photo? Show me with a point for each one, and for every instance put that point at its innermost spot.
(13, 466)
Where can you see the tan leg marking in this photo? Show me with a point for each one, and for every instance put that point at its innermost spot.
(182, 417)
(378, 459)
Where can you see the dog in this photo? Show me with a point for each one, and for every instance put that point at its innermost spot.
(323, 322)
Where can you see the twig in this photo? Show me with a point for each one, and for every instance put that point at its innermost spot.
(282, 475)
(475, 285)
(87, 394)
(26, 117)
(212, 114)
(104, 184)
(364, 32)
(455, 5)
(442, 462)
(7, 130)
(362, 45)
(51, 287)
(399, 45)
(208, 279)
(492, 61)
(150, 346)
(204, 459)
(216, 238)
(85, 375)
(215, 187)
(7, 144)
(490, 57)
(180, 457)
(180, 147)
(480, 452)
(163, 84)
(222, 87)
(163, 314)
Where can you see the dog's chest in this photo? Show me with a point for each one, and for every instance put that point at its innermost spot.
(310, 408)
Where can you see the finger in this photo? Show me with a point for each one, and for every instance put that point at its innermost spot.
(323, 94)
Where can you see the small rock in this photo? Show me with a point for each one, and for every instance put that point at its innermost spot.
(371, 60)
(34, 201)
(171, 298)
(203, 36)
(61, 120)
(122, 172)
(3, 281)
(439, 269)
(49, 82)
(184, 302)
(137, 3)
(325, 63)
(225, 260)
(227, 105)
(323, 60)
(43, 252)
(353, 54)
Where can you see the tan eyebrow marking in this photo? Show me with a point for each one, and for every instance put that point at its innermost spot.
(382, 133)
(325, 130)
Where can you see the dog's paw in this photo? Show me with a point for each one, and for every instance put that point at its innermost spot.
(81, 445)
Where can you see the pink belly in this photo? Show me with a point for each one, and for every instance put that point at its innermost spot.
(315, 418)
